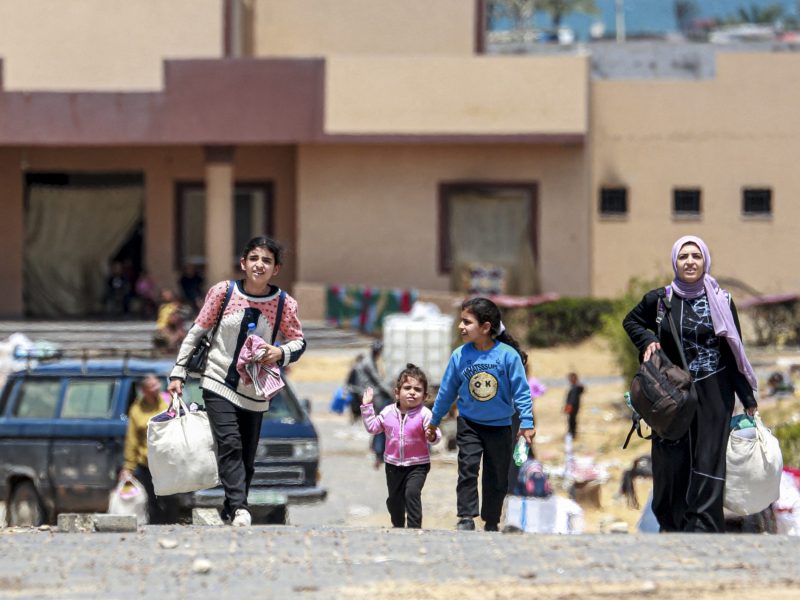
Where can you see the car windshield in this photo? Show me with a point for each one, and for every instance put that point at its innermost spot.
(284, 405)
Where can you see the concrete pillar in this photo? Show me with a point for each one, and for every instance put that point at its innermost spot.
(12, 228)
(159, 221)
(219, 213)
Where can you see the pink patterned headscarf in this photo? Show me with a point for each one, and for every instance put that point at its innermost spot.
(721, 315)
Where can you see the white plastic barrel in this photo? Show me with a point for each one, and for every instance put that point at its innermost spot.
(422, 337)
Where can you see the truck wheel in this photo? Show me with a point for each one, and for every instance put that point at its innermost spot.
(24, 507)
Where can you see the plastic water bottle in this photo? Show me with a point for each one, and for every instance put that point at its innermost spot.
(520, 451)
(251, 329)
(628, 401)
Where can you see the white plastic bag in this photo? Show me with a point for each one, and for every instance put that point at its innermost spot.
(755, 463)
(129, 498)
(181, 452)
(553, 514)
(787, 507)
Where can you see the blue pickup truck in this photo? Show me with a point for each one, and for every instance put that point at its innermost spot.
(62, 430)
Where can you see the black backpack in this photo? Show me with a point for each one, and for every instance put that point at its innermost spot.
(663, 394)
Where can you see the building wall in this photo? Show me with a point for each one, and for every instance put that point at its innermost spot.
(103, 44)
(163, 168)
(369, 214)
(741, 129)
(328, 27)
(462, 95)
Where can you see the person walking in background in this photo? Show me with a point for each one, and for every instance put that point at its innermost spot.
(487, 376)
(689, 474)
(407, 458)
(367, 373)
(234, 408)
(151, 402)
(573, 404)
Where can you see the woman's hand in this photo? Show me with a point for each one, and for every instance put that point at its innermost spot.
(528, 434)
(175, 387)
(125, 475)
(430, 433)
(272, 355)
(367, 397)
(751, 412)
(648, 352)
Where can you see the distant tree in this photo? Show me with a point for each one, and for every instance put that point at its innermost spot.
(762, 15)
(686, 12)
(558, 9)
(519, 12)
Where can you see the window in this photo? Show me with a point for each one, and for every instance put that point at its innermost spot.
(613, 201)
(88, 400)
(488, 236)
(37, 399)
(686, 202)
(252, 215)
(757, 201)
(7, 393)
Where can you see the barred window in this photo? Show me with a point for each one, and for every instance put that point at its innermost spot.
(686, 202)
(613, 201)
(757, 201)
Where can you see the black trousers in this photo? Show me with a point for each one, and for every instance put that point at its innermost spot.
(494, 445)
(405, 494)
(161, 510)
(572, 423)
(689, 474)
(236, 432)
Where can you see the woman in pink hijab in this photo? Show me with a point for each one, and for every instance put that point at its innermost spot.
(689, 474)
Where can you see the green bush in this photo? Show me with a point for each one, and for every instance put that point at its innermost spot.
(789, 437)
(625, 352)
(565, 321)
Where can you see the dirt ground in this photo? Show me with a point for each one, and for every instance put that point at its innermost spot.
(603, 424)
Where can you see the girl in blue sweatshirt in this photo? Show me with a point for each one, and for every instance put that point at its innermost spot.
(487, 375)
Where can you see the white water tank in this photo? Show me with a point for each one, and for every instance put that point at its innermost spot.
(422, 337)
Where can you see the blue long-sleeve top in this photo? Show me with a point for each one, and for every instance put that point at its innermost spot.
(490, 385)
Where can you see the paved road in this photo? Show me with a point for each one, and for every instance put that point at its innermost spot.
(328, 562)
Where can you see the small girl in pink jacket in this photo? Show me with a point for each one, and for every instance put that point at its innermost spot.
(406, 457)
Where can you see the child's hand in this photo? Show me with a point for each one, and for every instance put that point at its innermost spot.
(528, 434)
(367, 397)
(430, 433)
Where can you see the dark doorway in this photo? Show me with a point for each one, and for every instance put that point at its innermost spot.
(79, 227)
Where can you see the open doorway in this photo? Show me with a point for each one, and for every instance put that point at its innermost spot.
(79, 229)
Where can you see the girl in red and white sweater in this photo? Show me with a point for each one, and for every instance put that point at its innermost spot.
(234, 409)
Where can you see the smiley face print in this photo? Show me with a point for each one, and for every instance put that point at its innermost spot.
(483, 386)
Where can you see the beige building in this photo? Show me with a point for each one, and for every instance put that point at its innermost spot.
(381, 142)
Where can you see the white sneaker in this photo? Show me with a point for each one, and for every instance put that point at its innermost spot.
(241, 518)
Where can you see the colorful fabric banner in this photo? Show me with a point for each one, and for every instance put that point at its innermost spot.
(363, 308)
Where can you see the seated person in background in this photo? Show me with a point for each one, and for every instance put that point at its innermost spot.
(170, 323)
(151, 401)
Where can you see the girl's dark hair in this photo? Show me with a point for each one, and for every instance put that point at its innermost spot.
(266, 242)
(486, 311)
(414, 371)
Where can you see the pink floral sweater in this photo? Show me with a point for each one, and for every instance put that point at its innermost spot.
(221, 376)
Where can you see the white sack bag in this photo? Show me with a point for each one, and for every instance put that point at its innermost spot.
(755, 463)
(129, 498)
(181, 452)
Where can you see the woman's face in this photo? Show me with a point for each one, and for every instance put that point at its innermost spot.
(691, 264)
